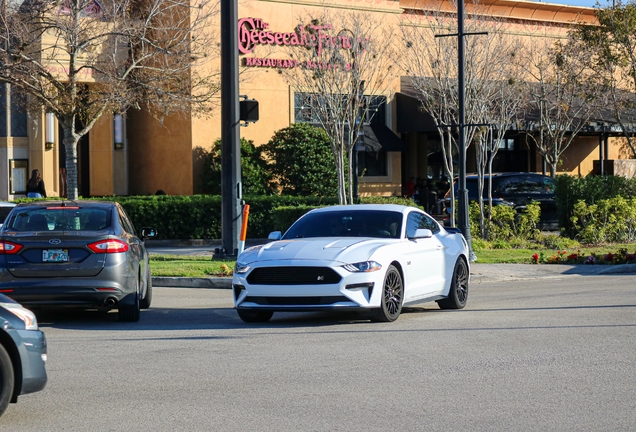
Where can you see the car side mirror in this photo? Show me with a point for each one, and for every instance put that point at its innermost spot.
(275, 235)
(423, 233)
(147, 232)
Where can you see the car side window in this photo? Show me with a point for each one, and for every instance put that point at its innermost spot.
(417, 221)
(125, 222)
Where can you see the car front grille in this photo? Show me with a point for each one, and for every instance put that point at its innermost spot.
(296, 301)
(293, 276)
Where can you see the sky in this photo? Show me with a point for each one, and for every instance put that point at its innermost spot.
(590, 3)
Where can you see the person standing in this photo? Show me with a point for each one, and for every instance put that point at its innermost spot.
(35, 186)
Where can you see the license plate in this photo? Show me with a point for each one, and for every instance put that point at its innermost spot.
(55, 255)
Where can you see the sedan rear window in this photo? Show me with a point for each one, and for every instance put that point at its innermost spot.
(59, 219)
(348, 223)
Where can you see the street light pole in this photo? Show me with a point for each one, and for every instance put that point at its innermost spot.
(230, 130)
(463, 222)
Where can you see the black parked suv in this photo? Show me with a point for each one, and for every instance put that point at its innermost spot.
(516, 190)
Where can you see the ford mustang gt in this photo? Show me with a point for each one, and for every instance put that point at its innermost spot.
(375, 257)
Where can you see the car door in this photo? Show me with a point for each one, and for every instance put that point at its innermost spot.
(424, 258)
(134, 242)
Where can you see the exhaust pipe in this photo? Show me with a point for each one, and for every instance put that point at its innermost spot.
(110, 302)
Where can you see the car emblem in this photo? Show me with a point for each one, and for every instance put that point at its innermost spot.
(55, 241)
(320, 278)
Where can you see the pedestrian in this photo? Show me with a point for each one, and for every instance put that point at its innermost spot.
(35, 186)
(409, 189)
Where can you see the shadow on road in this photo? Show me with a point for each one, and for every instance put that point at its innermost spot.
(191, 319)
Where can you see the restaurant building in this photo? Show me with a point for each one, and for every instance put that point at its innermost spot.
(138, 155)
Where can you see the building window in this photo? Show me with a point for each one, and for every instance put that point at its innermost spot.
(370, 164)
(3, 109)
(18, 175)
(18, 115)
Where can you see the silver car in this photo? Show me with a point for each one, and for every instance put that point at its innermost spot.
(22, 353)
(83, 254)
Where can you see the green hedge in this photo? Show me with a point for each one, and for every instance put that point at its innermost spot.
(569, 190)
(199, 216)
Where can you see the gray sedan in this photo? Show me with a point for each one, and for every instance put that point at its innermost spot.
(22, 353)
(83, 254)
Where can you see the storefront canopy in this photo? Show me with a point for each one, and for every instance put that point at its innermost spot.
(379, 137)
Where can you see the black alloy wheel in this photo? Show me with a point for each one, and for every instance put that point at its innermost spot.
(252, 316)
(392, 297)
(458, 294)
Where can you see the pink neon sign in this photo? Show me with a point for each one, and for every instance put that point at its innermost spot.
(255, 31)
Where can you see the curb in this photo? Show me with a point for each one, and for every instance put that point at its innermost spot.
(185, 282)
(477, 276)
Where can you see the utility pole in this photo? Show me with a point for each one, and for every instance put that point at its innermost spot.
(231, 193)
(464, 223)
(462, 192)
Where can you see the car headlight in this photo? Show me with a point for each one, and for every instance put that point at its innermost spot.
(241, 268)
(28, 317)
(366, 267)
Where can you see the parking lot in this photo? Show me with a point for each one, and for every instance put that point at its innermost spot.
(548, 354)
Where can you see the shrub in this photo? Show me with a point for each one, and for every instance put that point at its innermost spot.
(302, 161)
(555, 241)
(256, 177)
(569, 190)
(606, 221)
(507, 223)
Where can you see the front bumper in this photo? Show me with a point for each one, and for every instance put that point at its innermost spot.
(353, 291)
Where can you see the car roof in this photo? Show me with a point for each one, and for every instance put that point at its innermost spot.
(67, 203)
(378, 207)
(506, 174)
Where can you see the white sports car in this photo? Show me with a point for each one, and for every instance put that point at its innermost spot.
(377, 257)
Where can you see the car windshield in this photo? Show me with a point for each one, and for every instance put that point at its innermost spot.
(510, 185)
(59, 219)
(525, 185)
(348, 223)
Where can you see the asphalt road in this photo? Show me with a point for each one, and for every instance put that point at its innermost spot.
(537, 355)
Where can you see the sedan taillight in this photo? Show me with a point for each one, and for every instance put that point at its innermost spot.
(108, 246)
(10, 248)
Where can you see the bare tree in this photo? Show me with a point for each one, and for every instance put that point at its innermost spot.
(81, 58)
(563, 92)
(344, 60)
(432, 64)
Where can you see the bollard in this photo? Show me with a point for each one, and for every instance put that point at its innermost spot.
(241, 244)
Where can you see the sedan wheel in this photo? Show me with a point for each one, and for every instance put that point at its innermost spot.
(458, 294)
(251, 316)
(131, 313)
(6, 379)
(145, 302)
(392, 297)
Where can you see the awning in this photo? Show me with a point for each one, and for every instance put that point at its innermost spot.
(379, 137)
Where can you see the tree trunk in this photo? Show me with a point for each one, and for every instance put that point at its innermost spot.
(70, 141)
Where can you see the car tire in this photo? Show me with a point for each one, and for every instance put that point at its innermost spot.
(458, 294)
(145, 302)
(392, 297)
(131, 313)
(7, 379)
(252, 316)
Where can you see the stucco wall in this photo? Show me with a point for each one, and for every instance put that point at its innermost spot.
(160, 155)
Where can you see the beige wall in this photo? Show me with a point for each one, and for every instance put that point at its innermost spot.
(159, 155)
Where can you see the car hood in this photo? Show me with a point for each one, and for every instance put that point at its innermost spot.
(346, 250)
